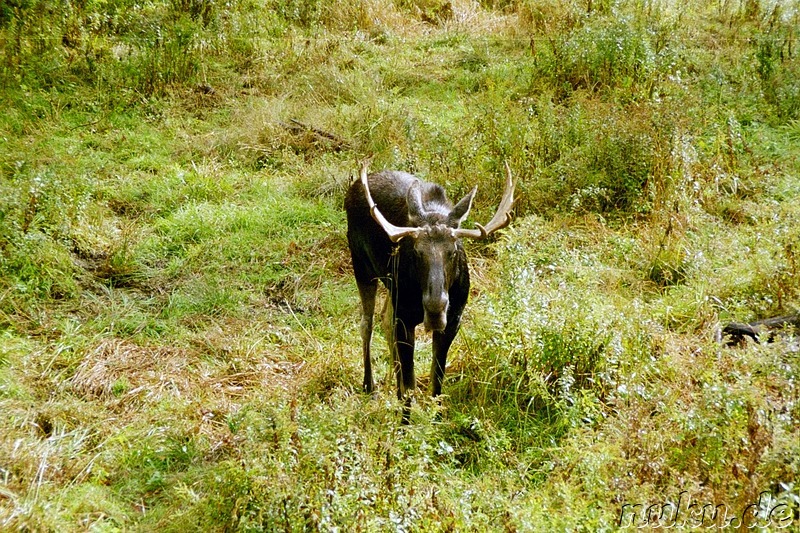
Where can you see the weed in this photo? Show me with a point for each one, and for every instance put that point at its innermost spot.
(178, 322)
(777, 68)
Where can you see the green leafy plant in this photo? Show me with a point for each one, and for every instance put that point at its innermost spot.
(179, 338)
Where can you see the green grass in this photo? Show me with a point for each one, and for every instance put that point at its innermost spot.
(179, 345)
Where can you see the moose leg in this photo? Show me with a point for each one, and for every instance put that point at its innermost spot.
(404, 366)
(441, 345)
(388, 323)
(367, 293)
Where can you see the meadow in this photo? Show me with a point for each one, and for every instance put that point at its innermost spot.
(179, 341)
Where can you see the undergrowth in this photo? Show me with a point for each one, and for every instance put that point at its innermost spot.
(179, 345)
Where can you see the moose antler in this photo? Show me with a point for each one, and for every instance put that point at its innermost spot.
(500, 219)
(395, 233)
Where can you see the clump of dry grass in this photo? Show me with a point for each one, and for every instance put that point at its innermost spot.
(117, 367)
(137, 376)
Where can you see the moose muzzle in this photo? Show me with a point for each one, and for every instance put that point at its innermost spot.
(435, 308)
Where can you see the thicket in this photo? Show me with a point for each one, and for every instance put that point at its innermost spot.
(178, 322)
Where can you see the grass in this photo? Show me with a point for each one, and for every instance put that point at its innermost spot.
(179, 345)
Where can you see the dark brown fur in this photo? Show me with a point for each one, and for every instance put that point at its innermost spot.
(427, 275)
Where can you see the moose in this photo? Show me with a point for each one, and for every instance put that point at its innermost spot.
(405, 232)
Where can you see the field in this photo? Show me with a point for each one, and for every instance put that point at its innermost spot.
(179, 324)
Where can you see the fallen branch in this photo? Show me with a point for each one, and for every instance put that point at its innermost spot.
(298, 127)
(735, 333)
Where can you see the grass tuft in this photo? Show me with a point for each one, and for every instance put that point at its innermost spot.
(179, 338)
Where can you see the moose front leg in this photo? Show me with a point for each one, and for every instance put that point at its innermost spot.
(442, 341)
(441, 345)
(404, 366)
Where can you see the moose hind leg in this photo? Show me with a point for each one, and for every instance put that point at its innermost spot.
(388, 323)
(367, 292)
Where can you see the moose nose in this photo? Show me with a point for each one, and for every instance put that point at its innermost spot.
(435, 321)
(435, 311)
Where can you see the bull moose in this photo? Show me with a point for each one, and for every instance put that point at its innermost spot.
(405, 232)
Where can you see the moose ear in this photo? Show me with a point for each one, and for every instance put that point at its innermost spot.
(461, 210)
(414, 201)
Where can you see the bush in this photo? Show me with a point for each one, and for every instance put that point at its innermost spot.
(549, 352)
(601, 56)
(147, 49)
(778, 70)
(602, 158)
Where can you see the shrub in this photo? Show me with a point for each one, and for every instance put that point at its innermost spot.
(549, 352)
(600, 56)
(603, 158)
(778, 70)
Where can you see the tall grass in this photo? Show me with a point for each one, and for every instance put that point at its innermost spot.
(178, 322)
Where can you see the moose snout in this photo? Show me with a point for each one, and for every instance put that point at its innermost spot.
(435, 308)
